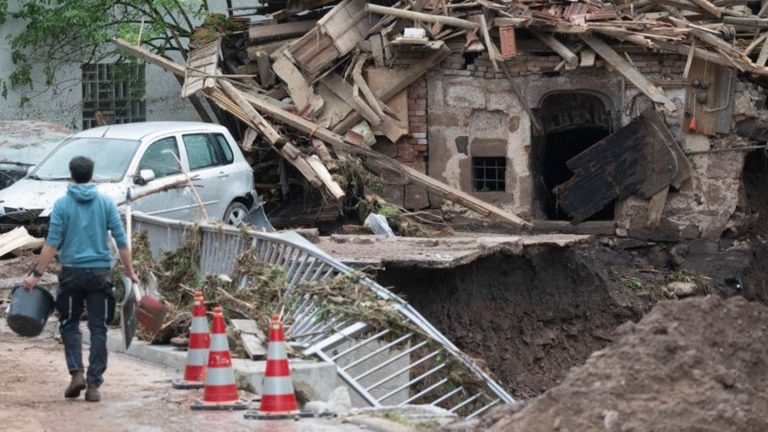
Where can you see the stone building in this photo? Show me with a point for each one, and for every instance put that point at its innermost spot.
(470, 129)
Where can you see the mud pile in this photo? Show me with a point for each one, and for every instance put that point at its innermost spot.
(693, 365)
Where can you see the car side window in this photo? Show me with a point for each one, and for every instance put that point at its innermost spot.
(157, 158)
(226, 150)
(200, 151)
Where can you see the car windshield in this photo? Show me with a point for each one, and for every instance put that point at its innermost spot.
(110, 157)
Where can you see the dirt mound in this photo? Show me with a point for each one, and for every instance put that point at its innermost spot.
(692, 365)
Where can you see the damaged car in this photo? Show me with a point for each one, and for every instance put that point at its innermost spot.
(148, 159)
(23, 144)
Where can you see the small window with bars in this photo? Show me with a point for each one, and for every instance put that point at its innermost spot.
(113, 93)
(489, 174)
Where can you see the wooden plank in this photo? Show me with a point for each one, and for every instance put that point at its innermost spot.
(758, 23)
(422, 17)
(269, 48)
(763, 56)
(264, 68)
(709, 7)
(252, 337)
(656, 207)
(280, 31)
(357, 78)
(634, 160)
(718, 43)
(489, 45)
(399, 82)
(17, 238)
(556, 46)
(587, 58)
(628, 71)
(261, 124)
(203, 64)
(333, 188)
(377, 48)
(302, 94)
(689, 61)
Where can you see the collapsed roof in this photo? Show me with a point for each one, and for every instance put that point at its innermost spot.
(320, 80)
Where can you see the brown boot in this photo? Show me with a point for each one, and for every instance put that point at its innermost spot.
(76, 385)
(92, 394)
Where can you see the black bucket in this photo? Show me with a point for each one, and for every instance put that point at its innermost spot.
(29, 310)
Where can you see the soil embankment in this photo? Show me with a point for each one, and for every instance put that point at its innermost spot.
(699, 364)
(529, 318)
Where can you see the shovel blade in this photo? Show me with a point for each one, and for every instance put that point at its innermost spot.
(128, 321)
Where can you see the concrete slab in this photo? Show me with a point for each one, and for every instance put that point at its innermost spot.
(316, 379)
(443, 252)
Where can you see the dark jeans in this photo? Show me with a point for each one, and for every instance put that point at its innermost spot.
(92, 287)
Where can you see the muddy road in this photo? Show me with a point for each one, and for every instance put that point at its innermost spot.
(136, 396)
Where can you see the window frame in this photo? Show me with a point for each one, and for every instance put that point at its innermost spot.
(180, 169)
(499, 166)
(215, 153)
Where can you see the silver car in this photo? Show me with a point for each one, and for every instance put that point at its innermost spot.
(142, 157)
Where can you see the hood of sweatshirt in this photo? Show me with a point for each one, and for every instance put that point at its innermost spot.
(82, 192)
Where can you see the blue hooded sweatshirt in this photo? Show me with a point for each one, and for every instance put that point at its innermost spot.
(78, 227)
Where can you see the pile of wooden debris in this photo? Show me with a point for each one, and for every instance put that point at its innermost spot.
(319, 81)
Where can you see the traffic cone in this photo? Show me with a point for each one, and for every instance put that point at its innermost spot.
(197, 352)
(277, 398)
(220, 392)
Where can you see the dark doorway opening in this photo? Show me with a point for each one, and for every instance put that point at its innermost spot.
(572, 123)
(559, 147)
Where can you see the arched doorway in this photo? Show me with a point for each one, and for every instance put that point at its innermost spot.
(571, 122)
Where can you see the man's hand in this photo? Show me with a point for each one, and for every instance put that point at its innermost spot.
(132, 276)
(29, 282)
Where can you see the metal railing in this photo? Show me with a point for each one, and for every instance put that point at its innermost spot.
(383, 367)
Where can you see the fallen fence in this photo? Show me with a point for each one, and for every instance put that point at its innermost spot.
(383, 368)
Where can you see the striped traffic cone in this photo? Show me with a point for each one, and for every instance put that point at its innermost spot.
(278, 398)
(220, 392)
(197, 352)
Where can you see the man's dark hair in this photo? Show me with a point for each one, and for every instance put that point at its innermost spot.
(81, 169)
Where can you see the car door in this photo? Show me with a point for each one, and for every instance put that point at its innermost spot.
(205, 165)
(174, 203)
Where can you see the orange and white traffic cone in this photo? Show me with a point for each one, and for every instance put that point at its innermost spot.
(278, 398)
(197, 352)
(220, 392)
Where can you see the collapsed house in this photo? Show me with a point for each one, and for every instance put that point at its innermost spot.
(540, 111)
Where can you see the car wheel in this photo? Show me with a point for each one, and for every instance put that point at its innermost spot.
(235, 214)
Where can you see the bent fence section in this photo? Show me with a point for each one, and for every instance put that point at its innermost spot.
(383, 367)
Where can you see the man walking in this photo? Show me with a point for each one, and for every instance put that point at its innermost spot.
(78, 231)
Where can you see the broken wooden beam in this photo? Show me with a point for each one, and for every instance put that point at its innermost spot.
(423, 17)
(709, 7)
(280, 31)
(628, 71)
(258, 121)
(555, 45)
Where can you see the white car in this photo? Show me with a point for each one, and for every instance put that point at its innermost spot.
(142, 157)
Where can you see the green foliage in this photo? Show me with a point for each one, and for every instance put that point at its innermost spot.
(77, 31)
(3, 11)
(632, 282)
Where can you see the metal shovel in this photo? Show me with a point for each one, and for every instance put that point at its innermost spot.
(150, 312)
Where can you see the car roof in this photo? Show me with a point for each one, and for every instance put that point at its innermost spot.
(138, 131)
